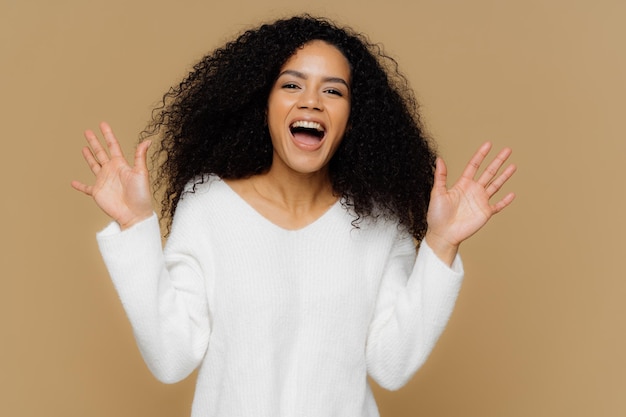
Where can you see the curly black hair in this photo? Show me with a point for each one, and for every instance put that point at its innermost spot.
(213, 122)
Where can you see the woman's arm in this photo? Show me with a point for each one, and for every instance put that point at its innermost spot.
(164, 295)
(415, 301)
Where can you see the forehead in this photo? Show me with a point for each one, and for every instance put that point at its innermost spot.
(319, 57)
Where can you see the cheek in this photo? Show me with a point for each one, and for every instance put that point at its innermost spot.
(344, 120)
(276, 131)
(272, 121)
(276, 111)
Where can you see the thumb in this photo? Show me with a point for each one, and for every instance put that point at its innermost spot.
(141, 155)
(441, 177)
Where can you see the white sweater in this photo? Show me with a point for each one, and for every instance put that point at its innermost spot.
(281, 322)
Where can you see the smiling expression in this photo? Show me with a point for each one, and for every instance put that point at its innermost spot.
(308, 108)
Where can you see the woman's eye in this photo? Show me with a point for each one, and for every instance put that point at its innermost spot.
(334, 92)
(290, 86)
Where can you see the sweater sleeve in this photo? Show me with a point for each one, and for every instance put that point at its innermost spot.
(415, 301)
(163, 295)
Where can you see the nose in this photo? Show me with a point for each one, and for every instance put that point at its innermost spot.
(310, 99)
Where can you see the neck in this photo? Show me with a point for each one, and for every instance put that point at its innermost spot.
(295, 192)
(289, 199)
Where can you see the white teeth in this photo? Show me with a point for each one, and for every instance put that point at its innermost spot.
(308, 125)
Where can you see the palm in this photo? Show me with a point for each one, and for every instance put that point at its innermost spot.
(457, 213)
(121, 191)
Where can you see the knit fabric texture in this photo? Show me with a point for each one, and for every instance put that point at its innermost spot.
(280, 322)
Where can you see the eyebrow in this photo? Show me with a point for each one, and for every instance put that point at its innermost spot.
(303, 76)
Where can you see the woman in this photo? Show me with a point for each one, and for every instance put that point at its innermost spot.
(297, 181)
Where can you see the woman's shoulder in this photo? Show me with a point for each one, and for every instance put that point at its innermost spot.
(378, 226)
(200, 184)
(203, 187)
(200, 192)
(204, 197)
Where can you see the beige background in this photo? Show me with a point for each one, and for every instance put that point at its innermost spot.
(540, 325)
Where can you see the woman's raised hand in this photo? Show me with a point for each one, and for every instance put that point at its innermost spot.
(457, 213)
(121, 191)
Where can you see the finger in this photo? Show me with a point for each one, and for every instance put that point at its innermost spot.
(111, 140)
(496, 184)
(94, 165)
(98, 151)
(478, 158)
(493, 168)
(83, 188)
(500, 205)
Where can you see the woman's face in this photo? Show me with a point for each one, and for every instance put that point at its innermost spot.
(308, 108)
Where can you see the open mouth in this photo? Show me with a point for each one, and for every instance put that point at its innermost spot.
(307, 132)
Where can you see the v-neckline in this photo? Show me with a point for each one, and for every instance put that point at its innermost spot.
(249, 207)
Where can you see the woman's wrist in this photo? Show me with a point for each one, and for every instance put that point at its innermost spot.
(133, 221)
(444, 250)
